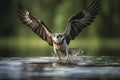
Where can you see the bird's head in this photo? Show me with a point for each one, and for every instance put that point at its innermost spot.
(59, 37)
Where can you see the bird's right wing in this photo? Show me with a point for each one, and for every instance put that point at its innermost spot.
(35, 24)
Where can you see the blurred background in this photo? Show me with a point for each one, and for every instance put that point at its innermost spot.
(100, 38)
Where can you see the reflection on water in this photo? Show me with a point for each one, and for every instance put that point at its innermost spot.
(85, 67)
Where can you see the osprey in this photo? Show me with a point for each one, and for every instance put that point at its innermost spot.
(60, 41)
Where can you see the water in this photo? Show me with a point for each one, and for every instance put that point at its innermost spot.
(46, 68)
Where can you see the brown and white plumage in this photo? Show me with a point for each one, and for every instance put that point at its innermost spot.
(35, 24)
(81, 20)
(60, 41)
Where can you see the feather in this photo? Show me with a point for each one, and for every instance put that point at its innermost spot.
(81, 20)
(34, 24)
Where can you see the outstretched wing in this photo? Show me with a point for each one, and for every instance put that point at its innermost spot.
(35, 24)
(81, 20)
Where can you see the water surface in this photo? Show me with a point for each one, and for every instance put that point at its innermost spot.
(83, 67)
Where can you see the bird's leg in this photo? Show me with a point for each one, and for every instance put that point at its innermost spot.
(67, 56)
(57, 54)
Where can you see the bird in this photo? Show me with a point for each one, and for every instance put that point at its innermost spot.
(60, 41)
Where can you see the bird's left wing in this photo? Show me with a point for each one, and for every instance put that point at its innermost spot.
(81, 20)
(35, 24)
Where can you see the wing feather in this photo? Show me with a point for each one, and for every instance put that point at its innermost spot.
(81, 20)
(34, 24)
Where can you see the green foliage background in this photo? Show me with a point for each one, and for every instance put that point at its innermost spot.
(100, 38)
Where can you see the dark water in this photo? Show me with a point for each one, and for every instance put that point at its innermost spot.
(46, 68)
